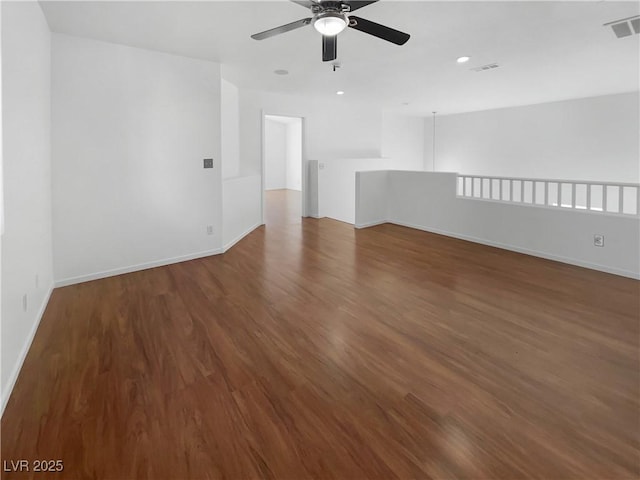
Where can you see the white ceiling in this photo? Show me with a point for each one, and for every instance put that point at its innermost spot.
(546, 50)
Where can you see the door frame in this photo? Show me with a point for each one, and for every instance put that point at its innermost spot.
(303, 159)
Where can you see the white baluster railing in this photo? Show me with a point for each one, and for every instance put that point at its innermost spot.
(597, 197)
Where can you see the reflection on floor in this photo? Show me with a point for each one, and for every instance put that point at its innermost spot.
(283, 207)
(314, 350)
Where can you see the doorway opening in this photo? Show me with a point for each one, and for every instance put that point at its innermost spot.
(282, 169)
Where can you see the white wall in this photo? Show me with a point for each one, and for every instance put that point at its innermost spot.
(283, 152)
(2, 394)
(372, 198)
(293, 170)
(131, 128)
(242, 197)
(230, 129)
(337, 184)
(333, 128)
(26, 243)
(275, 147)
(403, 140)
(312, 174)
(586, 139)
(1, 163)
(428, 201)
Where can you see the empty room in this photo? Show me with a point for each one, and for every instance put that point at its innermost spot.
(320, 239)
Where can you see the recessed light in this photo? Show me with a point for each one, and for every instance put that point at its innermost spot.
(463, 59)
(281, 72)
(339, 92)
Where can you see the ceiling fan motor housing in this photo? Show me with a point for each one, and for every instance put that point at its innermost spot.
(330, 17)
(330, 6)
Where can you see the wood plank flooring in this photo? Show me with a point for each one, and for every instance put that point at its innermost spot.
(313, 350)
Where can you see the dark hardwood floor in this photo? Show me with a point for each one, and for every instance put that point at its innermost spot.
(313, 350)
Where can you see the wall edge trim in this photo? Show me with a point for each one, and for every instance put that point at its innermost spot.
(65, 282)
(370, 224)
(526, 251)
(230, 244)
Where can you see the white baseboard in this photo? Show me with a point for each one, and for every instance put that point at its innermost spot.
(23, 352)
(156, 263)
(230, 244)
(134, 268)
(370, 224)
(526, 251)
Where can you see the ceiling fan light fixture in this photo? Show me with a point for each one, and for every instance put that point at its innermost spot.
(330, 23)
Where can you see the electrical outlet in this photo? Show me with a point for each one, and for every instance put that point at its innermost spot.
(209, 229)
(24, 302)
(321, 166)
(598, 240)
(208, 163)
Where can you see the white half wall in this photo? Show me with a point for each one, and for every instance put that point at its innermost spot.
(131, 128)
(372, 198)
(27, 261)
(242, 212)
(428, 201)
(595, 138)
(337, 184)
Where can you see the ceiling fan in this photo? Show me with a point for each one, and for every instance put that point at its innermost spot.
(330, 18)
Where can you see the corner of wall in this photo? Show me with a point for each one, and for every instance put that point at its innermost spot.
(7, 389)
(26, 248)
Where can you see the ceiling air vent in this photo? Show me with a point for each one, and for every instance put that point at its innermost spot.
(625, 27)
(488, 66)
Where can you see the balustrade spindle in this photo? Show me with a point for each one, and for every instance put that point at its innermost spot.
(494, 188)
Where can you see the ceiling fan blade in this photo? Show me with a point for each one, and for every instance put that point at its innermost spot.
(281, 29)
(304, 3)
(329, 47)
(377, 30)
(356, 4)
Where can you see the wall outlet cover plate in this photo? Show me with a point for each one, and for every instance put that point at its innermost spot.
(598, 240)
